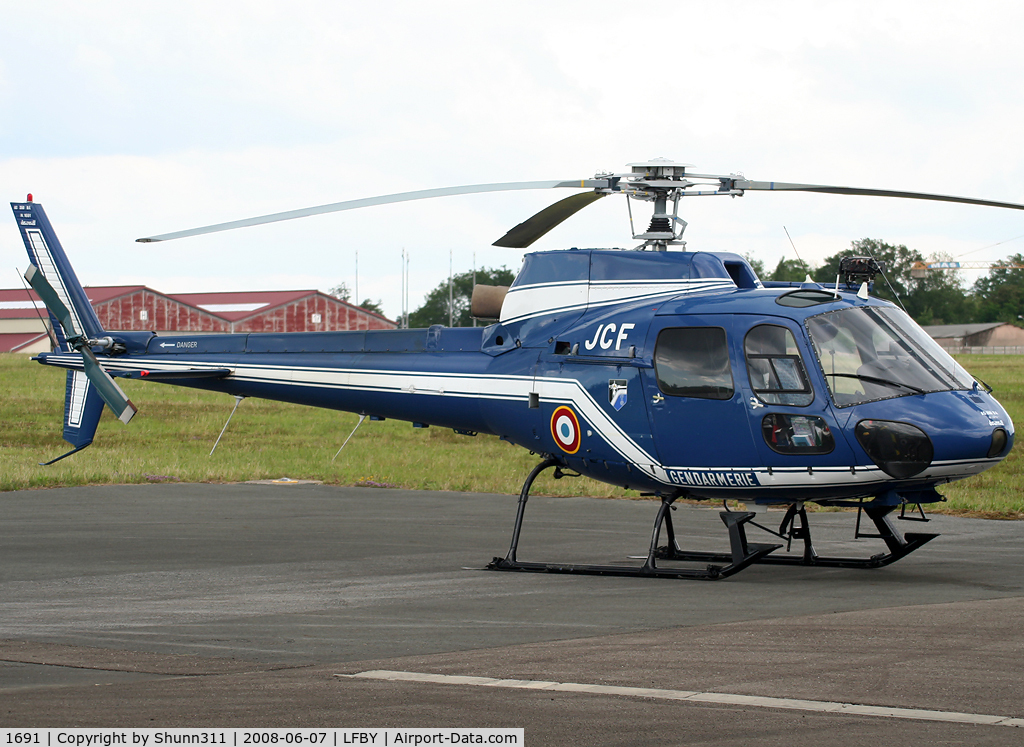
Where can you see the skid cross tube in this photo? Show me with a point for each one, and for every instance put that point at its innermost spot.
(741, 553)
(898, 545)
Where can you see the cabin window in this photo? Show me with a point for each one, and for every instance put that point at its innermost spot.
(797, 434)
(554, 267)
(776, 371)
(693, 362)
(707, 266)
(741, 274)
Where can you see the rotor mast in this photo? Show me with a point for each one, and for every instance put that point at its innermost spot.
(659, 180)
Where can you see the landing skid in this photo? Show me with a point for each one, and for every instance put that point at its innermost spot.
(899, 545)
(742, 552)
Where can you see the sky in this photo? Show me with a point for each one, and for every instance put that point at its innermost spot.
(129, 119)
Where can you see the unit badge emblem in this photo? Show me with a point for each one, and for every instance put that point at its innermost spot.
(617, 393)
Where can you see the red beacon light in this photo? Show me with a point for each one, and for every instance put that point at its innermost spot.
(29, 198)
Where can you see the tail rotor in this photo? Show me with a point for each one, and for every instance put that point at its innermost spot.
(105, 385)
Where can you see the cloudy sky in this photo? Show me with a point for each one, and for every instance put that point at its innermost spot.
(129, 119)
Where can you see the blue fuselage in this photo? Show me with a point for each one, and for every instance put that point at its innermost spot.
(668, 395)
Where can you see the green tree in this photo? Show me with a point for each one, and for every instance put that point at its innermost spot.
(897, 260)
(791, 270)
(371, 305)
(1000, 293)
(435, 306)
(936, 297)
(756, 265)
(340, 291)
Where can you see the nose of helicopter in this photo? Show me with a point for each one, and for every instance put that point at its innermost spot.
(937, 435)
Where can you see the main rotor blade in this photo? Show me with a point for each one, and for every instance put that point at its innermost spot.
(50, 298)
(107, 387)
(335, 207)
(826, 189)
(539, 224)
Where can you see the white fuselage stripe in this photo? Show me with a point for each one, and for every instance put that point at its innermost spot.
(518, 388)
(527, 301)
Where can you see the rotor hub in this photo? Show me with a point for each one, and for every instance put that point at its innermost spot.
(659, 168)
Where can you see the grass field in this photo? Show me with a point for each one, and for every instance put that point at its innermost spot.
(171, 437)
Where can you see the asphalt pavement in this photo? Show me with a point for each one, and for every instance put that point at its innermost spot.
(308, 605)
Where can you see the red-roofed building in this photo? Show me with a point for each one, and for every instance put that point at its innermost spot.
(138, 308)
(24, 342)
(285, 311)
(21, 330)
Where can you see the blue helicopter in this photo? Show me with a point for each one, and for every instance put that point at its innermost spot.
(676, 373)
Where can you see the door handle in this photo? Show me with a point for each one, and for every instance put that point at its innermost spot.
(657, 398)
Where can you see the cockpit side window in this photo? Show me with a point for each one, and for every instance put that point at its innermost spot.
(693, 362)
(775, 368)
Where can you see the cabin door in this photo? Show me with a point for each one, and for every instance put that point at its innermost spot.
(697, 409)
(791, 419)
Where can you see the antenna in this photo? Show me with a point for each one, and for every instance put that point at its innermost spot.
(792, 244)
(405, 280)
(808, 278)
(989, 246)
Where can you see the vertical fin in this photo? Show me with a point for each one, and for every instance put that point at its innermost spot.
(62, 292)
(46, 253)
(82, 409)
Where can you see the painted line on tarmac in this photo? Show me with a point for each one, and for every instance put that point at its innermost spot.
(692, 696)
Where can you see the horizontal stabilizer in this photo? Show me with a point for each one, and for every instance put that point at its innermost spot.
(190, 373)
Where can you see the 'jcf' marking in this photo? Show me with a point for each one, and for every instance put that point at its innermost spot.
(602, 336)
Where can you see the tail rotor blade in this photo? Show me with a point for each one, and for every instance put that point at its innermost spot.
(53, 303)
(107, 387)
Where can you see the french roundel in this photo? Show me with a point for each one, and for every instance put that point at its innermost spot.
(566, 430)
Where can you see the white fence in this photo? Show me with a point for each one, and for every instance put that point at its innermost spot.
(1005, 350)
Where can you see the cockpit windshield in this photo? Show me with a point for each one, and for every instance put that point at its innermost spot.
(871, 353)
